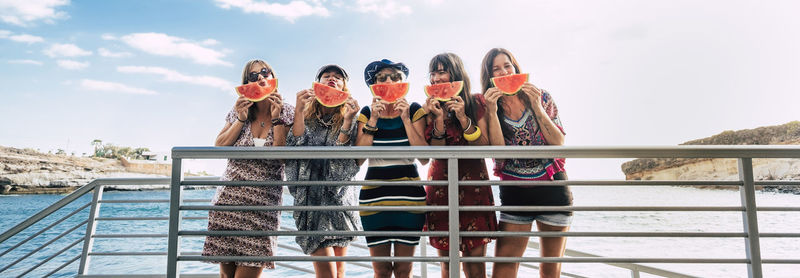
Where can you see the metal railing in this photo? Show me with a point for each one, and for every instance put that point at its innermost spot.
(746, 185)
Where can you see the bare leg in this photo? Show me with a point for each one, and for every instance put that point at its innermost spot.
(403, 269)
(445, 266)
(340, 252)
(324, 269)
(381, 269)
(510, 247)
(227, 270)
(475, 270)
(551, 247)
(248, 272)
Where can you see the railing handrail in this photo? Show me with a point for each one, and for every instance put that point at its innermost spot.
(478, 152)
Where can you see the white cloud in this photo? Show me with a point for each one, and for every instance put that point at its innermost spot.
(72, 65)
(65, 50)
(291, 11)
(4, 34)
(25, 62)
(210, 42)
(108, 37)
(174, 76)
(105, 86)
(30, 39)
(383, 8)
(165, 45)
(108, 53)
(24, 13)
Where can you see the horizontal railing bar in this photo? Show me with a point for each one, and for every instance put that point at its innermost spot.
(464, 233)
(310, 233)
(144, 181)
(148, 218)
(47, 211)
(52, 256)
(478, 152)
(310, 258)
(466, 183)
(779, 182)
(151, 201)
(311, 183)
(463, 208)
(795, 235)
(604, 183)
(183, 275)
(604, 260)
(64, 233)
(63, 266)
(778, 209)
(127, 254)
(780, 261)
(128, 235)
(46, 228)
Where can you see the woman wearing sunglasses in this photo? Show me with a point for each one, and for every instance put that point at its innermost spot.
(248, 124)
(317, 125)
(458, 122)
(391, 124)
(529, 117)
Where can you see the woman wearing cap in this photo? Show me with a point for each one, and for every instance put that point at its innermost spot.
(458, 122)
(317, 125)
(391, 124)
(529, 117)
(259, 124)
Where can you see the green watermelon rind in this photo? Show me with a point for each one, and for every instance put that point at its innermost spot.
(527, 76)
(372, 90)
(263, 89)
(461, 87)
(316, 95)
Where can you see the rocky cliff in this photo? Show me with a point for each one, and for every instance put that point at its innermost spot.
(28, 171)
(725, 169)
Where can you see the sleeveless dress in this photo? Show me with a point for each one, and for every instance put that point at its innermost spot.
(391, 133)
(468, 169)
(247, 170)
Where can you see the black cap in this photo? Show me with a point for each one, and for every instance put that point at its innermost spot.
(328, 68)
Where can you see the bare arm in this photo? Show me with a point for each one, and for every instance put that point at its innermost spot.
(230, 132)
(552, 134)
(495, 135)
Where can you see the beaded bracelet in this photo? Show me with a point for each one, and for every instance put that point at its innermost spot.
(278, 121)
(369, 131)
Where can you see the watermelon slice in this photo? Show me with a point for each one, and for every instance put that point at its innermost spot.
(510, 84)
(390, 92)
(329, 96)
(254, 92)
(444, 91)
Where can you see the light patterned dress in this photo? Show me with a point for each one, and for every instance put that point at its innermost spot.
(321, 134)
(247, 170)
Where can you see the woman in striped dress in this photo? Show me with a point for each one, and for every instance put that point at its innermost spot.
(391, 124)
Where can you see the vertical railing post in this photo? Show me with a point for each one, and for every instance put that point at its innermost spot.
(423, 252)
(174, 218)
(749, 217)
(90, 228)
(452, 204)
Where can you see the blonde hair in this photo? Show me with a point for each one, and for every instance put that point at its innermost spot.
(316, 109)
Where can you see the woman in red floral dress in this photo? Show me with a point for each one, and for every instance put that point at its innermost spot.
(458, 122)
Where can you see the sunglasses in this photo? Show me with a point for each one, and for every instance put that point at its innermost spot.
(396, 77)
(253, 76)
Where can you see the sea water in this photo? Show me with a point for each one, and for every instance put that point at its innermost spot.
(15, 209)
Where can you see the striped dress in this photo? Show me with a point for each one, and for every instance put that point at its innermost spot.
(392, 133)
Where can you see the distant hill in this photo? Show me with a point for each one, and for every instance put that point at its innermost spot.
(724, 169)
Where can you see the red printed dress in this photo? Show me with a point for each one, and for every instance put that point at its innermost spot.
(468, 169)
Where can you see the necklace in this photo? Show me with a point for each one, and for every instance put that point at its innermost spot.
(262, 124)
(329, 123)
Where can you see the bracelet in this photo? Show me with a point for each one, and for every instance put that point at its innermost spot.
(237, 118)
(473, 136)
(278, 121)
(345, 131)
(440, 137)
(371, 128)
(468, 125)
(366, 130)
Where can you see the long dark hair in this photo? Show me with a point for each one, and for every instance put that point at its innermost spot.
(452, 64)
(251, 112)
(486, 82)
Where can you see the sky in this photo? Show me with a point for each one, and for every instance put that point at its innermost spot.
(160, 74)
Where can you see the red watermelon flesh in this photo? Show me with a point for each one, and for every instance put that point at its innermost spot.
(444, 91)
(254, 92)
(510, 84)
(390, 92)
(329, 96)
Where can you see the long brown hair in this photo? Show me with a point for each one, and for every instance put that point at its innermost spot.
(486, 82)
(251, 112)
(452, 64)
(317, 108)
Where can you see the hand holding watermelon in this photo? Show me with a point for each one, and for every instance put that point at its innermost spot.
(492, 95)
(456, 106)
(402, 106)
(242, 106)
(304, 98)
(351, 108)
(433, 107)
(533, 93)
(378, 107)
(275, 105)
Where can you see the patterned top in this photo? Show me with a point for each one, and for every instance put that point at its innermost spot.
(318, 134)
(528, 133)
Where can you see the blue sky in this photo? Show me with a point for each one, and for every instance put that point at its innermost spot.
(161, 74)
